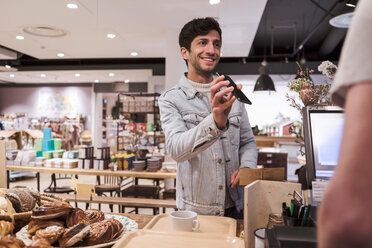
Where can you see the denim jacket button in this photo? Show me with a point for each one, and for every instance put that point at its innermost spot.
(220, 187)
(219, 160)
(218, 212)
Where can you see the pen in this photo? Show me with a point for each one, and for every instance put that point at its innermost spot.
(292, 206)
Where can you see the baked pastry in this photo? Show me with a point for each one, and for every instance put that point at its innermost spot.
(3, 204)
(103, 231)
(11, 242)
(77, 216)
(74, 234)
(118, 227)
(51, 233)
(39, 243)
(36, 224)
(6, 228)
(51, 210)
(94, 215)
(22, 198)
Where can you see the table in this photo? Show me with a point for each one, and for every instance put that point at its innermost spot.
(76, 171)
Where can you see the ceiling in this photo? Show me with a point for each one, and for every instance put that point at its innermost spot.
(252, 30)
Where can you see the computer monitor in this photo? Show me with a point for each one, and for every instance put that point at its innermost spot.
(323, 128)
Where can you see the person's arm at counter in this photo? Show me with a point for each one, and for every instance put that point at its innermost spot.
(345, 215)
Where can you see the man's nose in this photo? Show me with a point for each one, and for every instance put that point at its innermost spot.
(211, 49)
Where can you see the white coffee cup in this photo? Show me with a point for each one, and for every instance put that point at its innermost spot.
(184, 220)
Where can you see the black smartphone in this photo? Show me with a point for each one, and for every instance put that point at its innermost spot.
(236, 92)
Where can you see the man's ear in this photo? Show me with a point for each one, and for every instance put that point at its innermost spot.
(185, 53)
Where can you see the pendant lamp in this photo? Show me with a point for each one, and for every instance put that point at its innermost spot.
(264, 81)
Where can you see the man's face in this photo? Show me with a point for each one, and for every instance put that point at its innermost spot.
(204, 53)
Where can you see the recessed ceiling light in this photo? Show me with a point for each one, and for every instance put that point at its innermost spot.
(96, 81)
(126, 81)
(111, 36)
(72, 6)
(42, 75)
(20, 37)
(12, 75)
(111, 74)
(77, 75)
(8, 66)
(61, 55)
(213, 2)
(134, 53)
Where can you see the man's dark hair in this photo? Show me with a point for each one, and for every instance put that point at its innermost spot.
(199, 26)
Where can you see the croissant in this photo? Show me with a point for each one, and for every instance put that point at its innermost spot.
(74, 234)
(94, 215)
(6, 228)
(11, 242)
(51, 210)
(51, 233)
(77, 216)
(39, 243)
(36, 224)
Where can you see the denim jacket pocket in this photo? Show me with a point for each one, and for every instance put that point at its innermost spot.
(234, 129)
(192, 119)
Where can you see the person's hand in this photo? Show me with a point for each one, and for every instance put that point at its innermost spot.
(221, 101)
(234, 178)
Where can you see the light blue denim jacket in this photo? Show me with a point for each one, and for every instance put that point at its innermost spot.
(206, 156)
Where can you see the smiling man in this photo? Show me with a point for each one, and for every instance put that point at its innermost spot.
(207, 132)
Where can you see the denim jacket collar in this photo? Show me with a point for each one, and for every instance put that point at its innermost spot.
(187, 88)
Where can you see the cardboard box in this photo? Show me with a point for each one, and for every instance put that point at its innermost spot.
(249, 175)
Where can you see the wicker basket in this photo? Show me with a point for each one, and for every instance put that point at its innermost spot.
(22, 219)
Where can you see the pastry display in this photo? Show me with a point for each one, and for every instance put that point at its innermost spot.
(94, 215)
(23, 199)
(51, 233)
(36, 224)
(6, 228)
(77, 216)
(52, 210)
(74, 234)
(11, 242)
(39, 243)
(52, 220)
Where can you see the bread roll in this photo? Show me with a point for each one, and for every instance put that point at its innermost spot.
(94, 215)
(36, 224)
(11, 242)
(6, 228)
(74, 234)
(22, 198)
(51, 233)
(77, 216)
(51, 210)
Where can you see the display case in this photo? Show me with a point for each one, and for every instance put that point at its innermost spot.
(143, 127)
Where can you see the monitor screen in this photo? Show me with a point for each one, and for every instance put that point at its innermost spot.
(323, 128)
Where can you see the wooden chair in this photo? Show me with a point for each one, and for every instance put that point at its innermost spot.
(52, 188)
(110, 185)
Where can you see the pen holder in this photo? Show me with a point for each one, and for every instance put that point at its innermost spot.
(291, 221)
